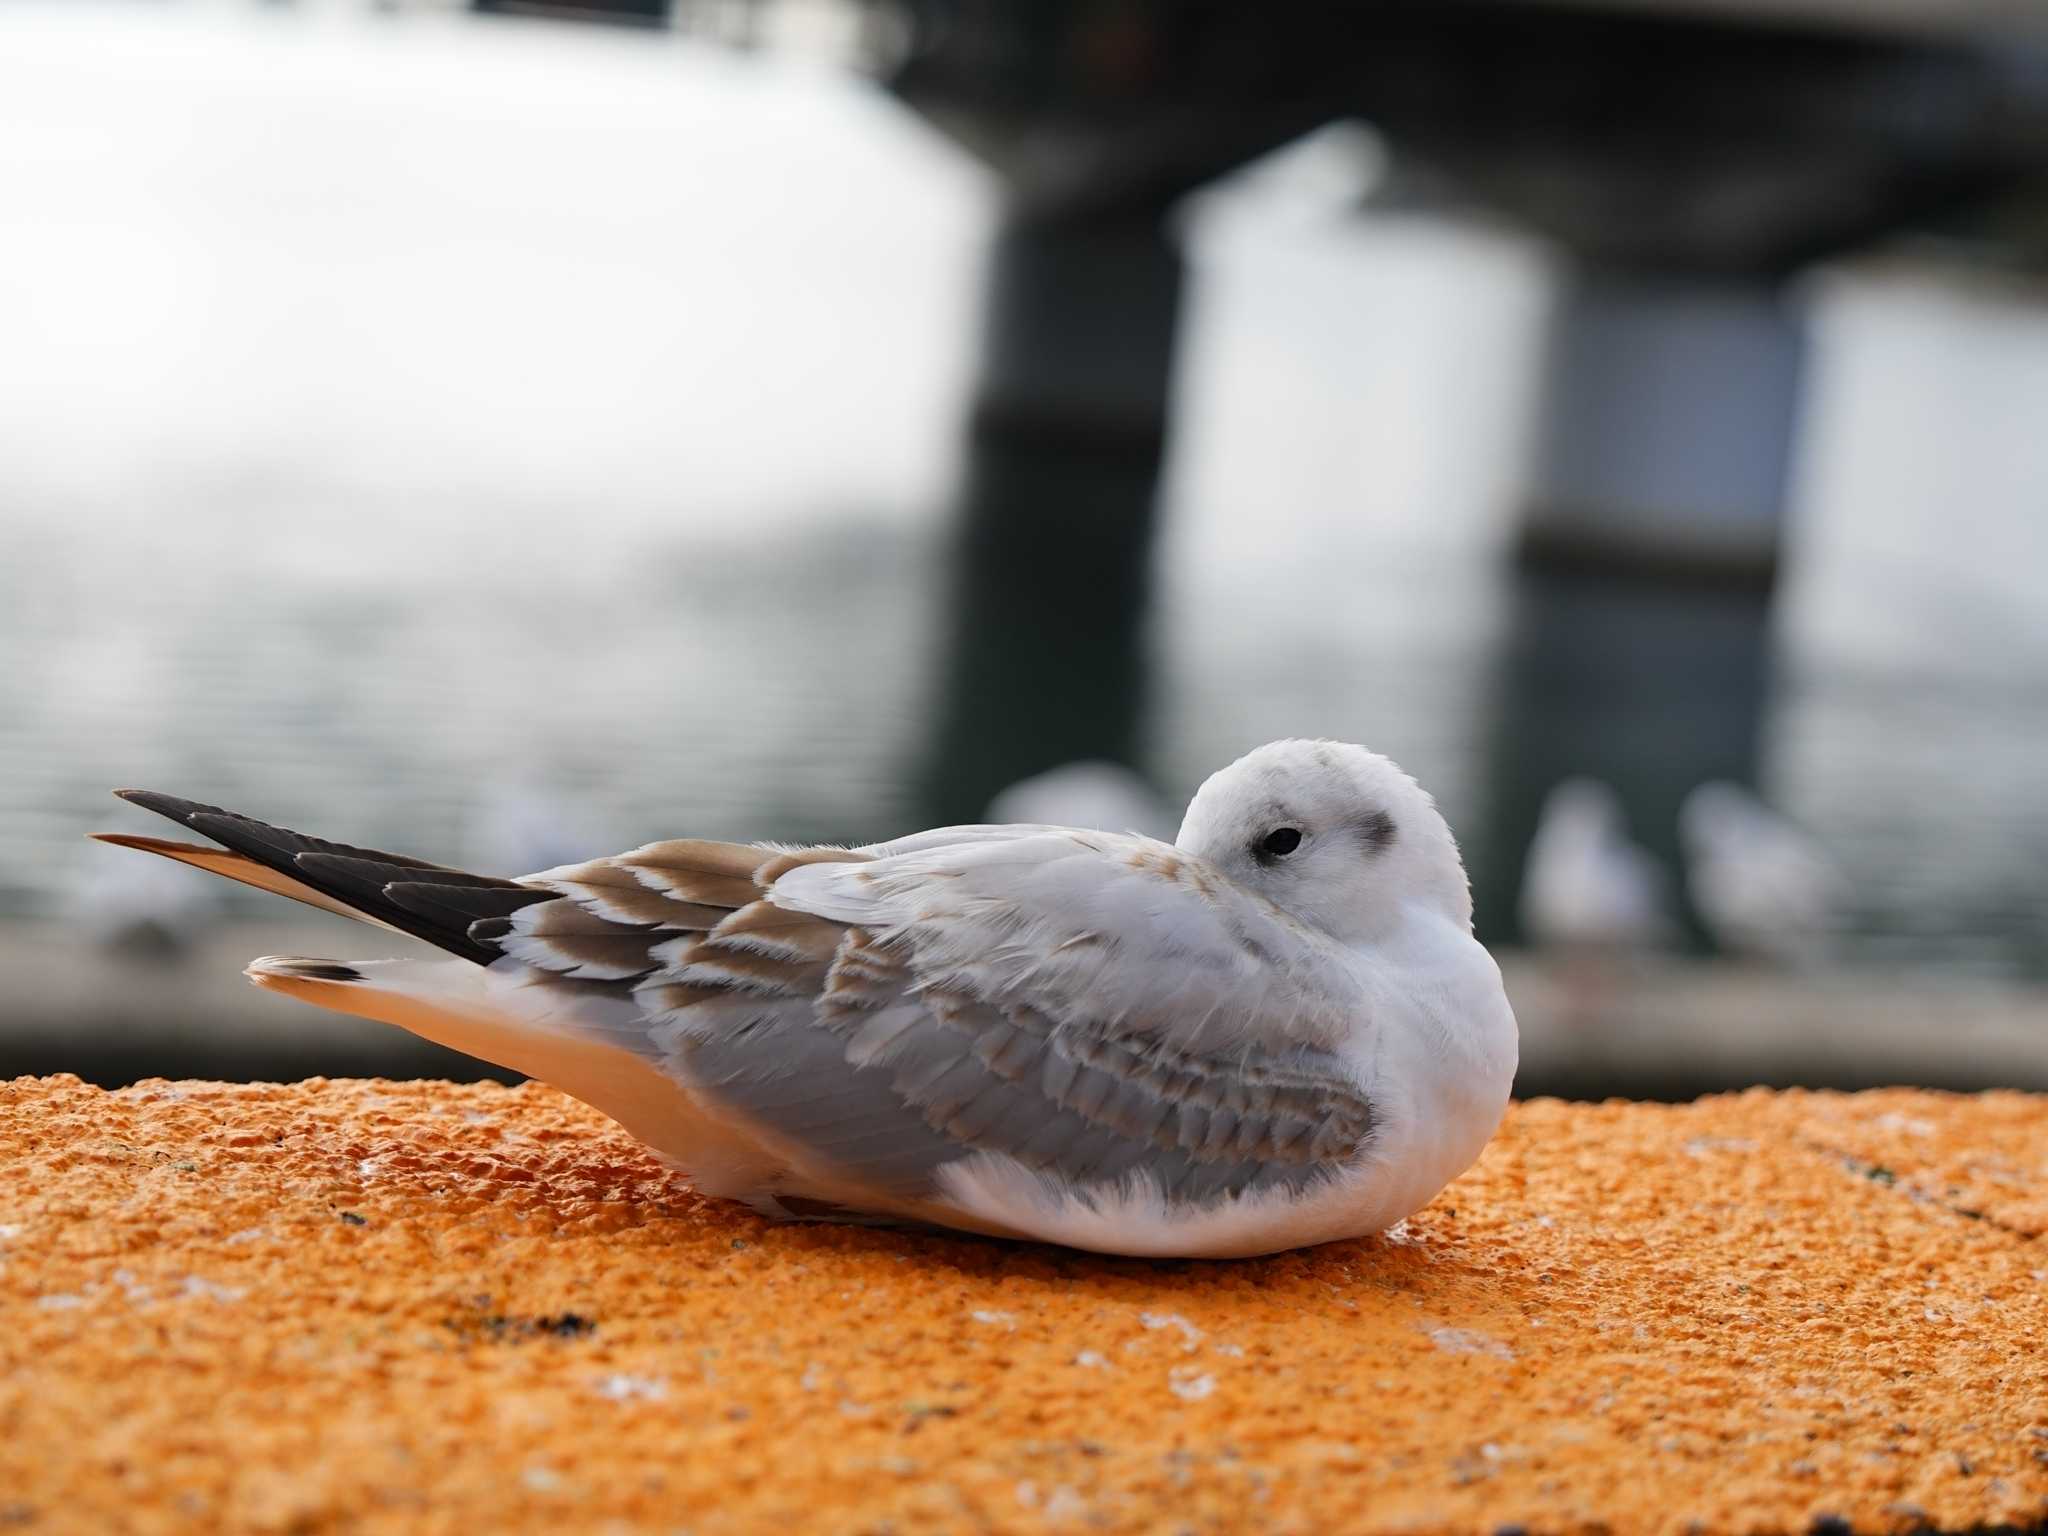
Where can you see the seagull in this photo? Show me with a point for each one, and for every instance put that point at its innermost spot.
(1586, 886)
(1764, 886)
(1276, 1030)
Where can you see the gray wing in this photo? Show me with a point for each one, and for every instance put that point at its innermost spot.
(876, 1074)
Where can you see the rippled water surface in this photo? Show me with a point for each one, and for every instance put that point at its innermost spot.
(506, 426)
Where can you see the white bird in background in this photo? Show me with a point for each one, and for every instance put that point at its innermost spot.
(1095, 796)
(152, 913)
(518, 823)
(1585, 885)
(1764, 886)
(1276, 1030)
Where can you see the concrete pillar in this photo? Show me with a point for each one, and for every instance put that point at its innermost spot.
(1670, 405)
(1638, 647)
(1043, 660)
(1651, 686)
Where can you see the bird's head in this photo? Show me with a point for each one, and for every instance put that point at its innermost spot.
(1333, 834)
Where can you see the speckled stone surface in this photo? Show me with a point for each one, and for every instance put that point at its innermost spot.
(376, 1306)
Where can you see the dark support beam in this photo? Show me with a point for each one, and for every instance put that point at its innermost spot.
(1650, 686)
(1669, 408)
(1044, 653)
(644, 13)
(1688, 161)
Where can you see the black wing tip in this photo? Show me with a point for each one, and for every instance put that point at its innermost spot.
(355, 877)
(176, 807)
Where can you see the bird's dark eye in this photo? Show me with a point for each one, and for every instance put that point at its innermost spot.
(1279, 842)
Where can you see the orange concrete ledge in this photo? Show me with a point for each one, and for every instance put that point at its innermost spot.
(376, 1306)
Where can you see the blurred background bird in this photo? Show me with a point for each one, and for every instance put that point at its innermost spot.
(1593, 901)
(1097, 796)
(1763, 886)
(1586, 886)
(157, 914)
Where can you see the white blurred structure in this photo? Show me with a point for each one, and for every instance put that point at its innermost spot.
(147, 913)
(1586, 885)
(1102, 797)
(1764, 886)
(521, 826)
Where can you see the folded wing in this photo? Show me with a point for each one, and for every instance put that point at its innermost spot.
(1092, 1009)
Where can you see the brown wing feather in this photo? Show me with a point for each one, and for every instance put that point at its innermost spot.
(688, 906)
(691, 869)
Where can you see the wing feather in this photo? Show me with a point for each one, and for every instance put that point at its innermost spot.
(693, 870)
(618, 895)
(881, 1019)
(1096, 928)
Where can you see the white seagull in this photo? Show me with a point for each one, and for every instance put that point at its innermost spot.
(1764, 886)
(1586, 886)
(1276, 1030)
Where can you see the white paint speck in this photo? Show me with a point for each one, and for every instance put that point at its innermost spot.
(199, 1288)
(1468, 1341)
(1064, 1504)
(999, 1319)
(1190, 1334)
(1707, 1146)
(1189, 1384)
(812, 1378)
(1090, 1360)
(541, 1479)
(59, 1301)
(246, 1235)
(621, 1388)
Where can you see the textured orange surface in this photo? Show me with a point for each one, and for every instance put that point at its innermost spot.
(423, 1307)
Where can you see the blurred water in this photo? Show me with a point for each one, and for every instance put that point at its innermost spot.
(389, 416)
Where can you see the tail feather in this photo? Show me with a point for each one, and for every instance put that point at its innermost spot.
(388, 889)
(584, 1044)
(443, 1002)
